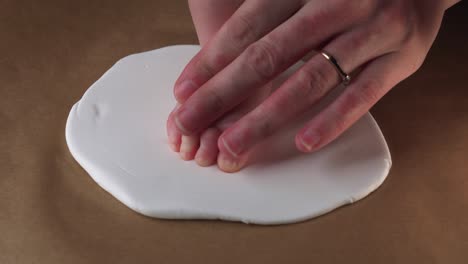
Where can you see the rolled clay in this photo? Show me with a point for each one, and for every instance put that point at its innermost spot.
(117, 134)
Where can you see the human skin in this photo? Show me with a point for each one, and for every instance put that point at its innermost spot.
(225, 102)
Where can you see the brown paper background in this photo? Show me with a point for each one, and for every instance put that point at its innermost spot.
(52, 212)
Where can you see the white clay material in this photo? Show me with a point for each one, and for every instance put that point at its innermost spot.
(117, 133)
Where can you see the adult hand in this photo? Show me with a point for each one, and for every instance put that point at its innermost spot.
(386, 40)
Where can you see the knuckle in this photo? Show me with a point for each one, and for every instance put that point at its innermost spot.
(216, 60)
(370, 91)
(350, 102)
(264, 129)
(360, 39)
(348, 11)
(361, 10)
(206, 66)
(216, 102)
(355, 8)
(241, 30)
(311, 84)
(339, 124)
(335, 123)
(396, 19)
(307, 24)
(356, 102)
(262, 57)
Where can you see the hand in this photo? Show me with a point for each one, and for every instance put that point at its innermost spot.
(386, 40)
(208, 17)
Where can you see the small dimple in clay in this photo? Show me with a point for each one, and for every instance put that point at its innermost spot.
(96, 111)
(126, 153)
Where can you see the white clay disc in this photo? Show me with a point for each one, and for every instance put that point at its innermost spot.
(117, 133)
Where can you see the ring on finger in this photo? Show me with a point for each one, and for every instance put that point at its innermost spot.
(344, 76)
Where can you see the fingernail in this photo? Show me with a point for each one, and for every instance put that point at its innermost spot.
(228, 148)
(185, 155)
(185, 89)
(173, 147)
(310, 140)
(228, 164)
(201, 160)
(172, 133)
(182, 114)
(187, 147)
(172, 136)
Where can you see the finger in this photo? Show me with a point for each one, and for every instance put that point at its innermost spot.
(257, 65)
(248, 24)
(189, 146)
(374, 81)
(208, 151)
(209, 15)
(173, 134)
(311, 83)
(229, 164)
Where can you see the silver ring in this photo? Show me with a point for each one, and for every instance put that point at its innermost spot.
(344, 76)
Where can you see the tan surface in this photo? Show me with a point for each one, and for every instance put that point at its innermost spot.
(52, 212)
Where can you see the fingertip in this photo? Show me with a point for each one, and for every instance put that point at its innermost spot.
(224, 146)
(174, 140)
(301, 145)
(174, 147)
(203, 160)
(187, 155)
(227, 164)
(188, 147)
(179, 126)
(208, 150)
(173, 135)
(183, 90)
(307, 140)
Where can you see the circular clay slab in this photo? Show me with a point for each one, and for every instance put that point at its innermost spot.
(117, 133)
